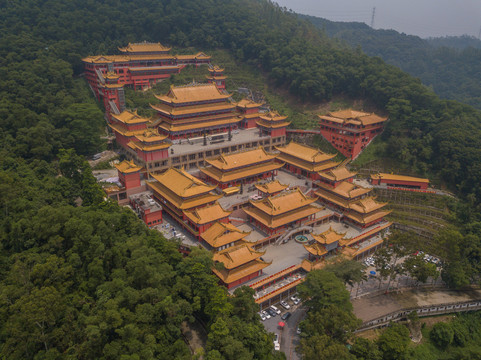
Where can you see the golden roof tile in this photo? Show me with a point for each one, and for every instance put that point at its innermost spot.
(129, 117)
(337, 174)
(127, 167)
(232, 175)
(283, 202)
(393, 177)
(271, 187)
(183, 203)
(193, 93)
(305, 152)
(316, 249)
(229, 276)
(181, 183)
(144, 47)
(247, 104)
(328, 237)
(207, 214)
(221, 234)
(366, 205)
(240, 159)
(237, 255)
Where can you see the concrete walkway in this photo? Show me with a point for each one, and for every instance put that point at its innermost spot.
(369, 308)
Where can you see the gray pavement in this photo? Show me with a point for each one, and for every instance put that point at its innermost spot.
(288, 336)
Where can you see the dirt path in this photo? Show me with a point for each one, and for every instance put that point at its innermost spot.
(195, 336)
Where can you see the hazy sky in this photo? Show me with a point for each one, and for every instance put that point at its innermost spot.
(414, 17)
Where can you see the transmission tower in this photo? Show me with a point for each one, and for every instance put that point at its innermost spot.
(372, 17)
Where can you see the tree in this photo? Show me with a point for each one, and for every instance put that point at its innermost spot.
(349, 271)
(442, 334)
(322, 288)
(394, 342)
(365, 349)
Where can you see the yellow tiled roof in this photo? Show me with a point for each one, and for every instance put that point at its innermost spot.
(221, 234)
(366, 205)
(129, 117)
(305, 152)
(349, 242)
(384, 176)
(316, 249)
(183, 110)
(240, 159)
(328, 237)
(237, 255)
(147, 147)
(283, 219)
(273, 124)
(337, 174)
(271, 187)
(345, 190)
(199, 125)
(247, 103)
(118, 128)
(199, 55)
(229, 276)
(216, 68)
(207, 214)
(353, 117)
(181, 183)
(144, 47)
(226, 176)
(283, 202)
(127, 167)
(273, 116)
(366, 219)
(111, 75)
(149, 136)
(181, 203)
(193, 93)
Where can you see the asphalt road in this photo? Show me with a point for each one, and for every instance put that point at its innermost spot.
(288, 335)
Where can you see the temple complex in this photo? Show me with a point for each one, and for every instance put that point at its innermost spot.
(241, 168)
(277, 213)
(305, 160)
(195, 110)
(400, 181)
(241, 263)
(350, 131)
(126, 125)
(139, 65)
(220, 236)
(271, 188)
(273, 124)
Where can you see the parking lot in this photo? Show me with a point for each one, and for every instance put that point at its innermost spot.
(287, 335)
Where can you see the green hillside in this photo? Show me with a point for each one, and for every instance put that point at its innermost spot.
(451, 66)
(83, 279)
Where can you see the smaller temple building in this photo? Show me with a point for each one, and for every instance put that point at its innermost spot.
(273, 124)
(241, 264)
(324, 243)
(400, 181)
(278, 213)
(271, 188)
(250, 113)
(305, 160)
(350, 131)
(240, 168)
(221, 236)
(202, 218)
(216, 76)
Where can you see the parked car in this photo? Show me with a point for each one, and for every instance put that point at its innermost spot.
(266, 314)
(277, 346)
(285, 305)
(263, 317)
(276, 310)
(271, 312)
(293, 297)
(298, 331)
(286, 316)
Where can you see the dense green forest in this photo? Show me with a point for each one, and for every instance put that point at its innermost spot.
(82, 278)
(451, 66)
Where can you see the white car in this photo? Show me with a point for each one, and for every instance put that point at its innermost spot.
(263, 317)
(297, 301)
(266, 314)
(285, 305)
(277, 346)
(276, 310)
(298, 331)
